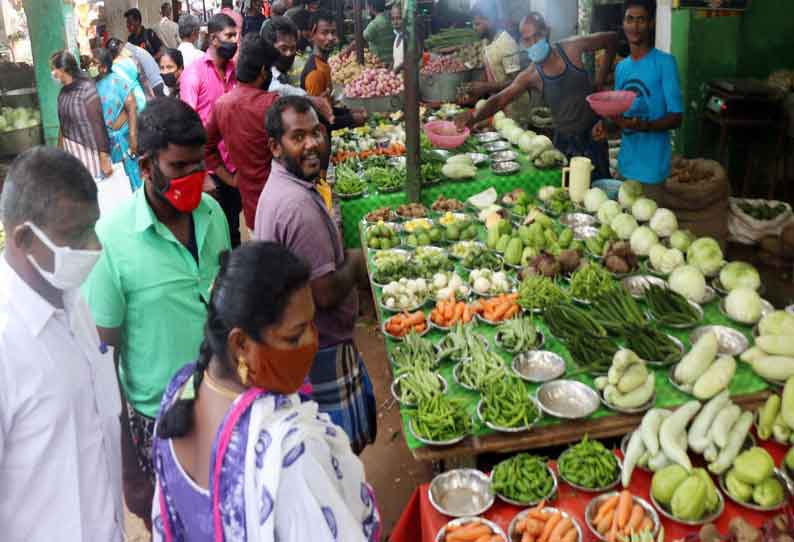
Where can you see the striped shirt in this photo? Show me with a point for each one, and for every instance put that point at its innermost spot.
(82, 124)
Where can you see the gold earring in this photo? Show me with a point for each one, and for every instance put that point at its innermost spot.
(242, 370)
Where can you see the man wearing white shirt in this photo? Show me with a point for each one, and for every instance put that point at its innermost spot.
(60, 454)
(189, 27)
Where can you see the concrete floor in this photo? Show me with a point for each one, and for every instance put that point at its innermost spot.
(389, 465)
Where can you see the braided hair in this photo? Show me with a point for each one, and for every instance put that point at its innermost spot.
(254, 285)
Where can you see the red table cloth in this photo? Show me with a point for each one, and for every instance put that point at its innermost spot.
(420, 522)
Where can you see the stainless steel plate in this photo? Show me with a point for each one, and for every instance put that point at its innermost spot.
(396, 393)
(538, 366)
(636, 285)
(607, 487)
(568, 399)
(708, 296)
(766, 308)
(505, 168)
(441, 536)
(781, 477)
(578, 219)
(449, 442)
(504, 156)
(521, 515)
(461, 492)
(478, 158)
(503, 429)
(706, 519)
(595, 503)
(582, 233)
(540, 339)
(730, 342)
(497, 146)
(624, 410)
(487, 137)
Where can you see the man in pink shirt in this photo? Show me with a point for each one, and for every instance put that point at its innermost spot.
(202, 83)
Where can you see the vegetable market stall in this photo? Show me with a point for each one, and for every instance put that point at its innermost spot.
(420, 521)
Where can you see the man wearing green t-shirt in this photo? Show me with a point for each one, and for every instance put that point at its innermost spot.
(149, 290)
(379, 32)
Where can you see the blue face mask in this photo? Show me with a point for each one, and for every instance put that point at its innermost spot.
(539, 51)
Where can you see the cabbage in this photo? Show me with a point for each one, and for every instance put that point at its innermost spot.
(643, 209)
(680, 239)
(537, 145)
(608, 210)
(739, 274)
(656, 254)
(18, 118)
(624, 225)
(744, 305)
(629, 192)
(706, 255)
(593, 199)
(672, 259)
(513, 134)
(642, 239)
(547, 192)
(525, 141)
(777, 323)
(499, 116)
(664, 223)
(499, 123)
(689, 282)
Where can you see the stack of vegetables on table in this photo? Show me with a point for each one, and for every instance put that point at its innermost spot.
(776, 416)
(622, 517)
(402, 324)
(443, 64)
(589, 465)
(345, 68)
(375, 82)
(524, 478)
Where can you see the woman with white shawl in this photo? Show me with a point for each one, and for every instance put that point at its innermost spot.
(240, 454)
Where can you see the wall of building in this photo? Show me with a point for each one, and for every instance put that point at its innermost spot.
(767, 38)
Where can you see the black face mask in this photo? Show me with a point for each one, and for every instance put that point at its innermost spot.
(227, 50)
(169, 79)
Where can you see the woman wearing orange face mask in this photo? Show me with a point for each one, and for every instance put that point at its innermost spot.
(239, 454)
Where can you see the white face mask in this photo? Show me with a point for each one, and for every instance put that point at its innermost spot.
(71, 267)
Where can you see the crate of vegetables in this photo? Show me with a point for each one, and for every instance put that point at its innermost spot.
(377, 91)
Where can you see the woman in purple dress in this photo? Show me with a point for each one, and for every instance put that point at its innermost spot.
(239, 454)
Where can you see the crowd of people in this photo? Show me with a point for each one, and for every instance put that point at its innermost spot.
(148, 351)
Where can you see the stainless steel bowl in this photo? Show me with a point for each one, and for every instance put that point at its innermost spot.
(636, 285)
(478, 158)
(496, 146)
(781, 477)
(709, 295)
(568, 399)
(582, 233)
(461, 492)
(441, 536)
(504, 156)
(578, 219)
(427, 442)
(730, 342)
(628, 410)
(395, 389)
(521, 515)
(698, 310)
(538, 366)
(487, 137)
(548, 498)
(503, 429)
(395, 337)
(709, 518)
(766, 308)
(540, 339)
(595, 503)
(658, 363)
(607, 487)
(505, 168)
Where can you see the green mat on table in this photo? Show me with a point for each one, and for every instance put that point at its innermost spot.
(744, 382)
(528, 178)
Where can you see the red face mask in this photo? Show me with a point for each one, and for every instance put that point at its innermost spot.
(282, 371)
(184, 193)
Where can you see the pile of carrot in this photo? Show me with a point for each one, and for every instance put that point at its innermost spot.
(619, 517)
(449, 312)
(471, 532)
(499, 308)
(395, 149)
(400, 325)
(543, 526)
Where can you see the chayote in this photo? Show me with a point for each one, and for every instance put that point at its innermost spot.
(666, 481)
(712, 499)
(768, 493)
(689, 499)
(754, 466)
(738, 489)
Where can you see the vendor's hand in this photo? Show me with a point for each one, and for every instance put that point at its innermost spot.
(462, 120)
(477, 89)
(599, 131)
(359, 116)
(627, 123)
(324, 107)
(105, 164)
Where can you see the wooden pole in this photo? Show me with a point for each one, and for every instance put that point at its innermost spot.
(413, 183)
(339, 12)
(358, 26)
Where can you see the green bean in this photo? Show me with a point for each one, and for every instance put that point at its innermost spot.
(414, 353)
(517, 335)
(524, 478)
(616, 309)
(506, 403)
(567, 321)
(669, 307)
(419, 384)
(441, 418)
(588, 464)
(592, 352)
(652, 345)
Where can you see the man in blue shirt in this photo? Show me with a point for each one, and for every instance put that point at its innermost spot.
(652, 75)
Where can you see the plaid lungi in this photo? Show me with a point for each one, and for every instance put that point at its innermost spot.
(342, 389)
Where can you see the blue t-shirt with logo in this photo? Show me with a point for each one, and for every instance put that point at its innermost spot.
(645, 156)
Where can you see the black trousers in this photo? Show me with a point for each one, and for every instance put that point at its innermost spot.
(231, 203)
